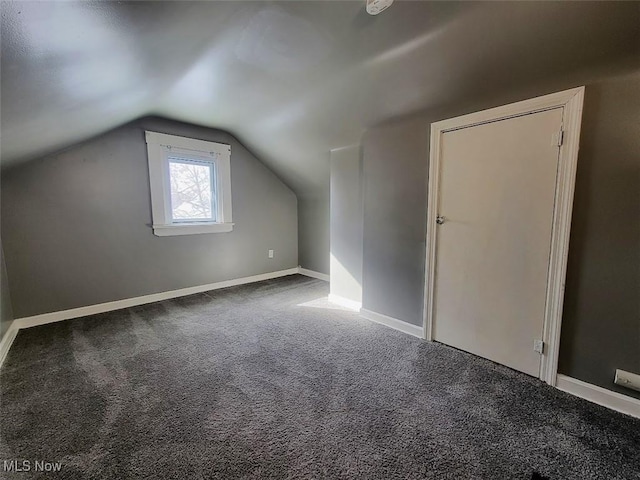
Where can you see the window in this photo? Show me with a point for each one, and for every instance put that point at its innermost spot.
(190, 184)
(193, 191)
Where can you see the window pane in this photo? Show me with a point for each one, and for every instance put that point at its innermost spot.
(192, 190)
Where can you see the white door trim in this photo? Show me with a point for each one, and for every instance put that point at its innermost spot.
(571, 100)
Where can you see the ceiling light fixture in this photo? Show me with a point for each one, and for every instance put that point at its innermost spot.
(374, 7)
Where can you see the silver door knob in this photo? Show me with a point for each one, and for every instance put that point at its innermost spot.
(440, 219)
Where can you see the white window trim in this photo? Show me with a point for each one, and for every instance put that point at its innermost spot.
(159, 147)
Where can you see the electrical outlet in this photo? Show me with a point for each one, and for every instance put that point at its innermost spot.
(270, 253)
(627, 379)
(538, 346)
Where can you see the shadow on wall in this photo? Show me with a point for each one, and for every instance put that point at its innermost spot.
(313, 232)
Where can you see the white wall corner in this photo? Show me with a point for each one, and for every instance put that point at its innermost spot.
(601, 396)
(7, 341)
(415, 330)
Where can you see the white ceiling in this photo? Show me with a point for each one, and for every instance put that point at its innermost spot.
(291, 80)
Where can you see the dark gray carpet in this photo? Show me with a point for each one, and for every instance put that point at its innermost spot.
(249, 382)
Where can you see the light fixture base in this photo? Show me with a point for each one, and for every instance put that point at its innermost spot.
(374, 7)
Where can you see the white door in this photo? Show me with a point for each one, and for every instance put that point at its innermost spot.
(496, 194)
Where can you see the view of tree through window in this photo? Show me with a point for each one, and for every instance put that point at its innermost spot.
(192, 185)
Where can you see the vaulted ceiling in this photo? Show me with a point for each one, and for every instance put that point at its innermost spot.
(291, 80)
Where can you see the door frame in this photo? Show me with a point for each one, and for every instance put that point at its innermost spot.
(572, 101)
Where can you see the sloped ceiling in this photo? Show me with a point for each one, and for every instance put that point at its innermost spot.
(291, 80)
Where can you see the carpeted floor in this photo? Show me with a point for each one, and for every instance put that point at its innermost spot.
(266, 381)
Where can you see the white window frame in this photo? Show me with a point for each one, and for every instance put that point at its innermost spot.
(160, 147)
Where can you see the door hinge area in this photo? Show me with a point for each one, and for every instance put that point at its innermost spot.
(538, 346)
(560, 138)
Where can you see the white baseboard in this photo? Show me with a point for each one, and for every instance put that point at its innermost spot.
(599, 395)
(311, 273)
(45, 318)
(7, 341)
(415, 330)
(345, 302)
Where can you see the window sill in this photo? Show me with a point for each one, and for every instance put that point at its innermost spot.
(191, 229)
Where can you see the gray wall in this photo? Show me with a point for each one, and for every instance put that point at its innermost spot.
(6, 312)
(601, 323)
(346, 223)
(395, 197)
(313, 233)
(76, 225)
